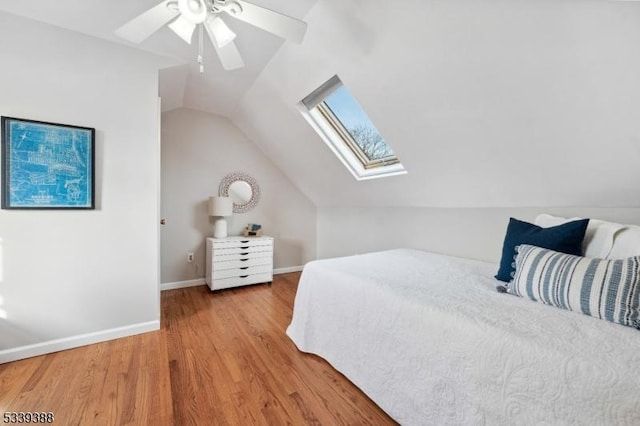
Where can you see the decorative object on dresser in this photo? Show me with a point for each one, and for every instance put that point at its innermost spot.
(238, 261)
(220, 207)
(242, 189)
(252, 230)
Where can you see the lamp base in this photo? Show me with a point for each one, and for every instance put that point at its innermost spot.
(220, 230)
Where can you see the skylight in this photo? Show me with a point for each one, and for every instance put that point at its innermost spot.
(344, 126)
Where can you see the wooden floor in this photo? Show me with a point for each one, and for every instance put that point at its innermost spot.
(220, 359)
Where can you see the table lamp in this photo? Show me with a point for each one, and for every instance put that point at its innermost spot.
(220, 207)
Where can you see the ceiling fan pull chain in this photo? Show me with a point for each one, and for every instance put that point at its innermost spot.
(200, 48)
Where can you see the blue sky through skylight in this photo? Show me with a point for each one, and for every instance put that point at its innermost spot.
(352, 116)
(347, 109)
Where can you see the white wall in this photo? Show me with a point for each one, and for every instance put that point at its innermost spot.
(488, 103)
(475, 233)
(74, 277)
(198, 150)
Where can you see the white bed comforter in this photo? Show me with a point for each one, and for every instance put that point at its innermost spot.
(429, 339)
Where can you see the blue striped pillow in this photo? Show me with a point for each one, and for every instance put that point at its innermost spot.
(606, 289)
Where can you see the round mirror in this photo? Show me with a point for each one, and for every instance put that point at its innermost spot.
(242, 189)
(240, 192)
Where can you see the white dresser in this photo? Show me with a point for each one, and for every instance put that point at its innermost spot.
(237, 261)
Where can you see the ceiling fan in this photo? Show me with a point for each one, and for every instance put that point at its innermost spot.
(206, 15)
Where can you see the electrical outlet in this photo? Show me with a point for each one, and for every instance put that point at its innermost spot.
(189, 257)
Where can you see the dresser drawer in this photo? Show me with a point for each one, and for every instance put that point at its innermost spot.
(227, 244)
(242, 280)
(239, 272)
(236, 262)
(221, 254)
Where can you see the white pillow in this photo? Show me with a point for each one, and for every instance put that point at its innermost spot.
(626, 243)
(601, 237)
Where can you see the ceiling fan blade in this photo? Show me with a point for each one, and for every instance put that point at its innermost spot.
(142, 26)
(281, 25)
(229, 55)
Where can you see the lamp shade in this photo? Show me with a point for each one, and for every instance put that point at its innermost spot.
(220, 206)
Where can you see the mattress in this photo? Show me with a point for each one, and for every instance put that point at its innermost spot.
(428, 338)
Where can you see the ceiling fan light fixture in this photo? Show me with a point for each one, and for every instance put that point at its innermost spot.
(218, 31)
(183, 16)
(194, 11)
(183, 28)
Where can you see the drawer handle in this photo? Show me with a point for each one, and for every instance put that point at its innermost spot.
(244, 248)
(243, 254)
(244, 241)
(244, 267)
(244, 260)
(244, 276)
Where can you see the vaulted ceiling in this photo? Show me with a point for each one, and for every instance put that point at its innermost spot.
(488, 103)
(216, 90)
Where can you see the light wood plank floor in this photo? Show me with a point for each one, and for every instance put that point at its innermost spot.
(220, 359)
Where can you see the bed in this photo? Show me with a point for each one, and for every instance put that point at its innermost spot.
(431, 341)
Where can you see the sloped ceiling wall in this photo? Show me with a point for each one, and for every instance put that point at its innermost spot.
(487, 102)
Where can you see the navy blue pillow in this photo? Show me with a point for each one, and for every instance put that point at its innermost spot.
(566, 238)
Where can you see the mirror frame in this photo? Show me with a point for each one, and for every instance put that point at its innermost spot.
(223, 190)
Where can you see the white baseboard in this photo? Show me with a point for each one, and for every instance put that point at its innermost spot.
(50, 346)
(287, 270)
(201, 281)
(182, 284)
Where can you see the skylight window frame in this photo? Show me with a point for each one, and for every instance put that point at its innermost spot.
(332, 131)
(338, 127)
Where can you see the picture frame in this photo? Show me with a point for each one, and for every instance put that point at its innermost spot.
(47, 165)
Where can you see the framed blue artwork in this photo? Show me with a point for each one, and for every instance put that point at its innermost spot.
(47, 165)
